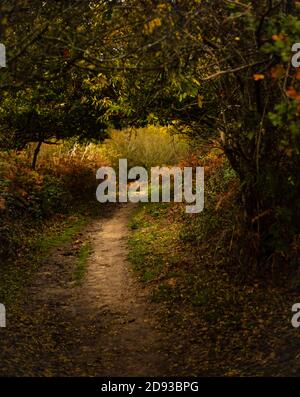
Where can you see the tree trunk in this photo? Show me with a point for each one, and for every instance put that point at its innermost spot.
(35, 154)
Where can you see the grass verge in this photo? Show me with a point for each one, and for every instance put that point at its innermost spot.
(225, 326)
(56, 232)
(81, 262)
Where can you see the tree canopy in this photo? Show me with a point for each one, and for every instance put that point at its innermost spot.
(221, 70)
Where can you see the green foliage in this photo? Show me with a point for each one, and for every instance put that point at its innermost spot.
(214, 69)
(150, 265)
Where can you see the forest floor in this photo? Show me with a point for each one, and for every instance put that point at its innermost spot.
(104, 300)
(84, 313)
(226, 324)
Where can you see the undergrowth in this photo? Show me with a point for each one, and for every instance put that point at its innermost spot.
(229, 324)
(15, 274)
(63, 180)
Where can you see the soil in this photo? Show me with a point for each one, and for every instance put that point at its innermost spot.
(104, 326)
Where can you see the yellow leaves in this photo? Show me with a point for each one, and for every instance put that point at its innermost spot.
(289, 152)
(197, 82)
(278, 37)
(200, 101)
(102, 79)
(163, 6)
(233, 372)
(80, 29)
(8, 31)
(258, 76)
(84, 99)
(152, 25)
(277, 71)
(95, 84)
(106, 102)
(81, 63)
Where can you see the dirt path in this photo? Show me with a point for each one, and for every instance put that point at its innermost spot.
(105, 326)
(130, 344)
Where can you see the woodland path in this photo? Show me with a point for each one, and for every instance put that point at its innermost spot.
(105, 326)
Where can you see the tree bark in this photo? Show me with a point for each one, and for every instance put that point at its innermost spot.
(35, 154)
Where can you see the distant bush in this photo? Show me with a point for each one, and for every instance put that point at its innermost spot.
(149, 146)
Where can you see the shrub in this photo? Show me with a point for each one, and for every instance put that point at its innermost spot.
(149, 146)
(65, 174)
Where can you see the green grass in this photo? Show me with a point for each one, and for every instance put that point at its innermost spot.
(81, 262)
(68, 229)
(191, 270)
(183, 261)
(16, 274)
(150, 242)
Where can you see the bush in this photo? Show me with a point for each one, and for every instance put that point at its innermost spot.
(220, 210)
(65, 174)
(148, 147)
